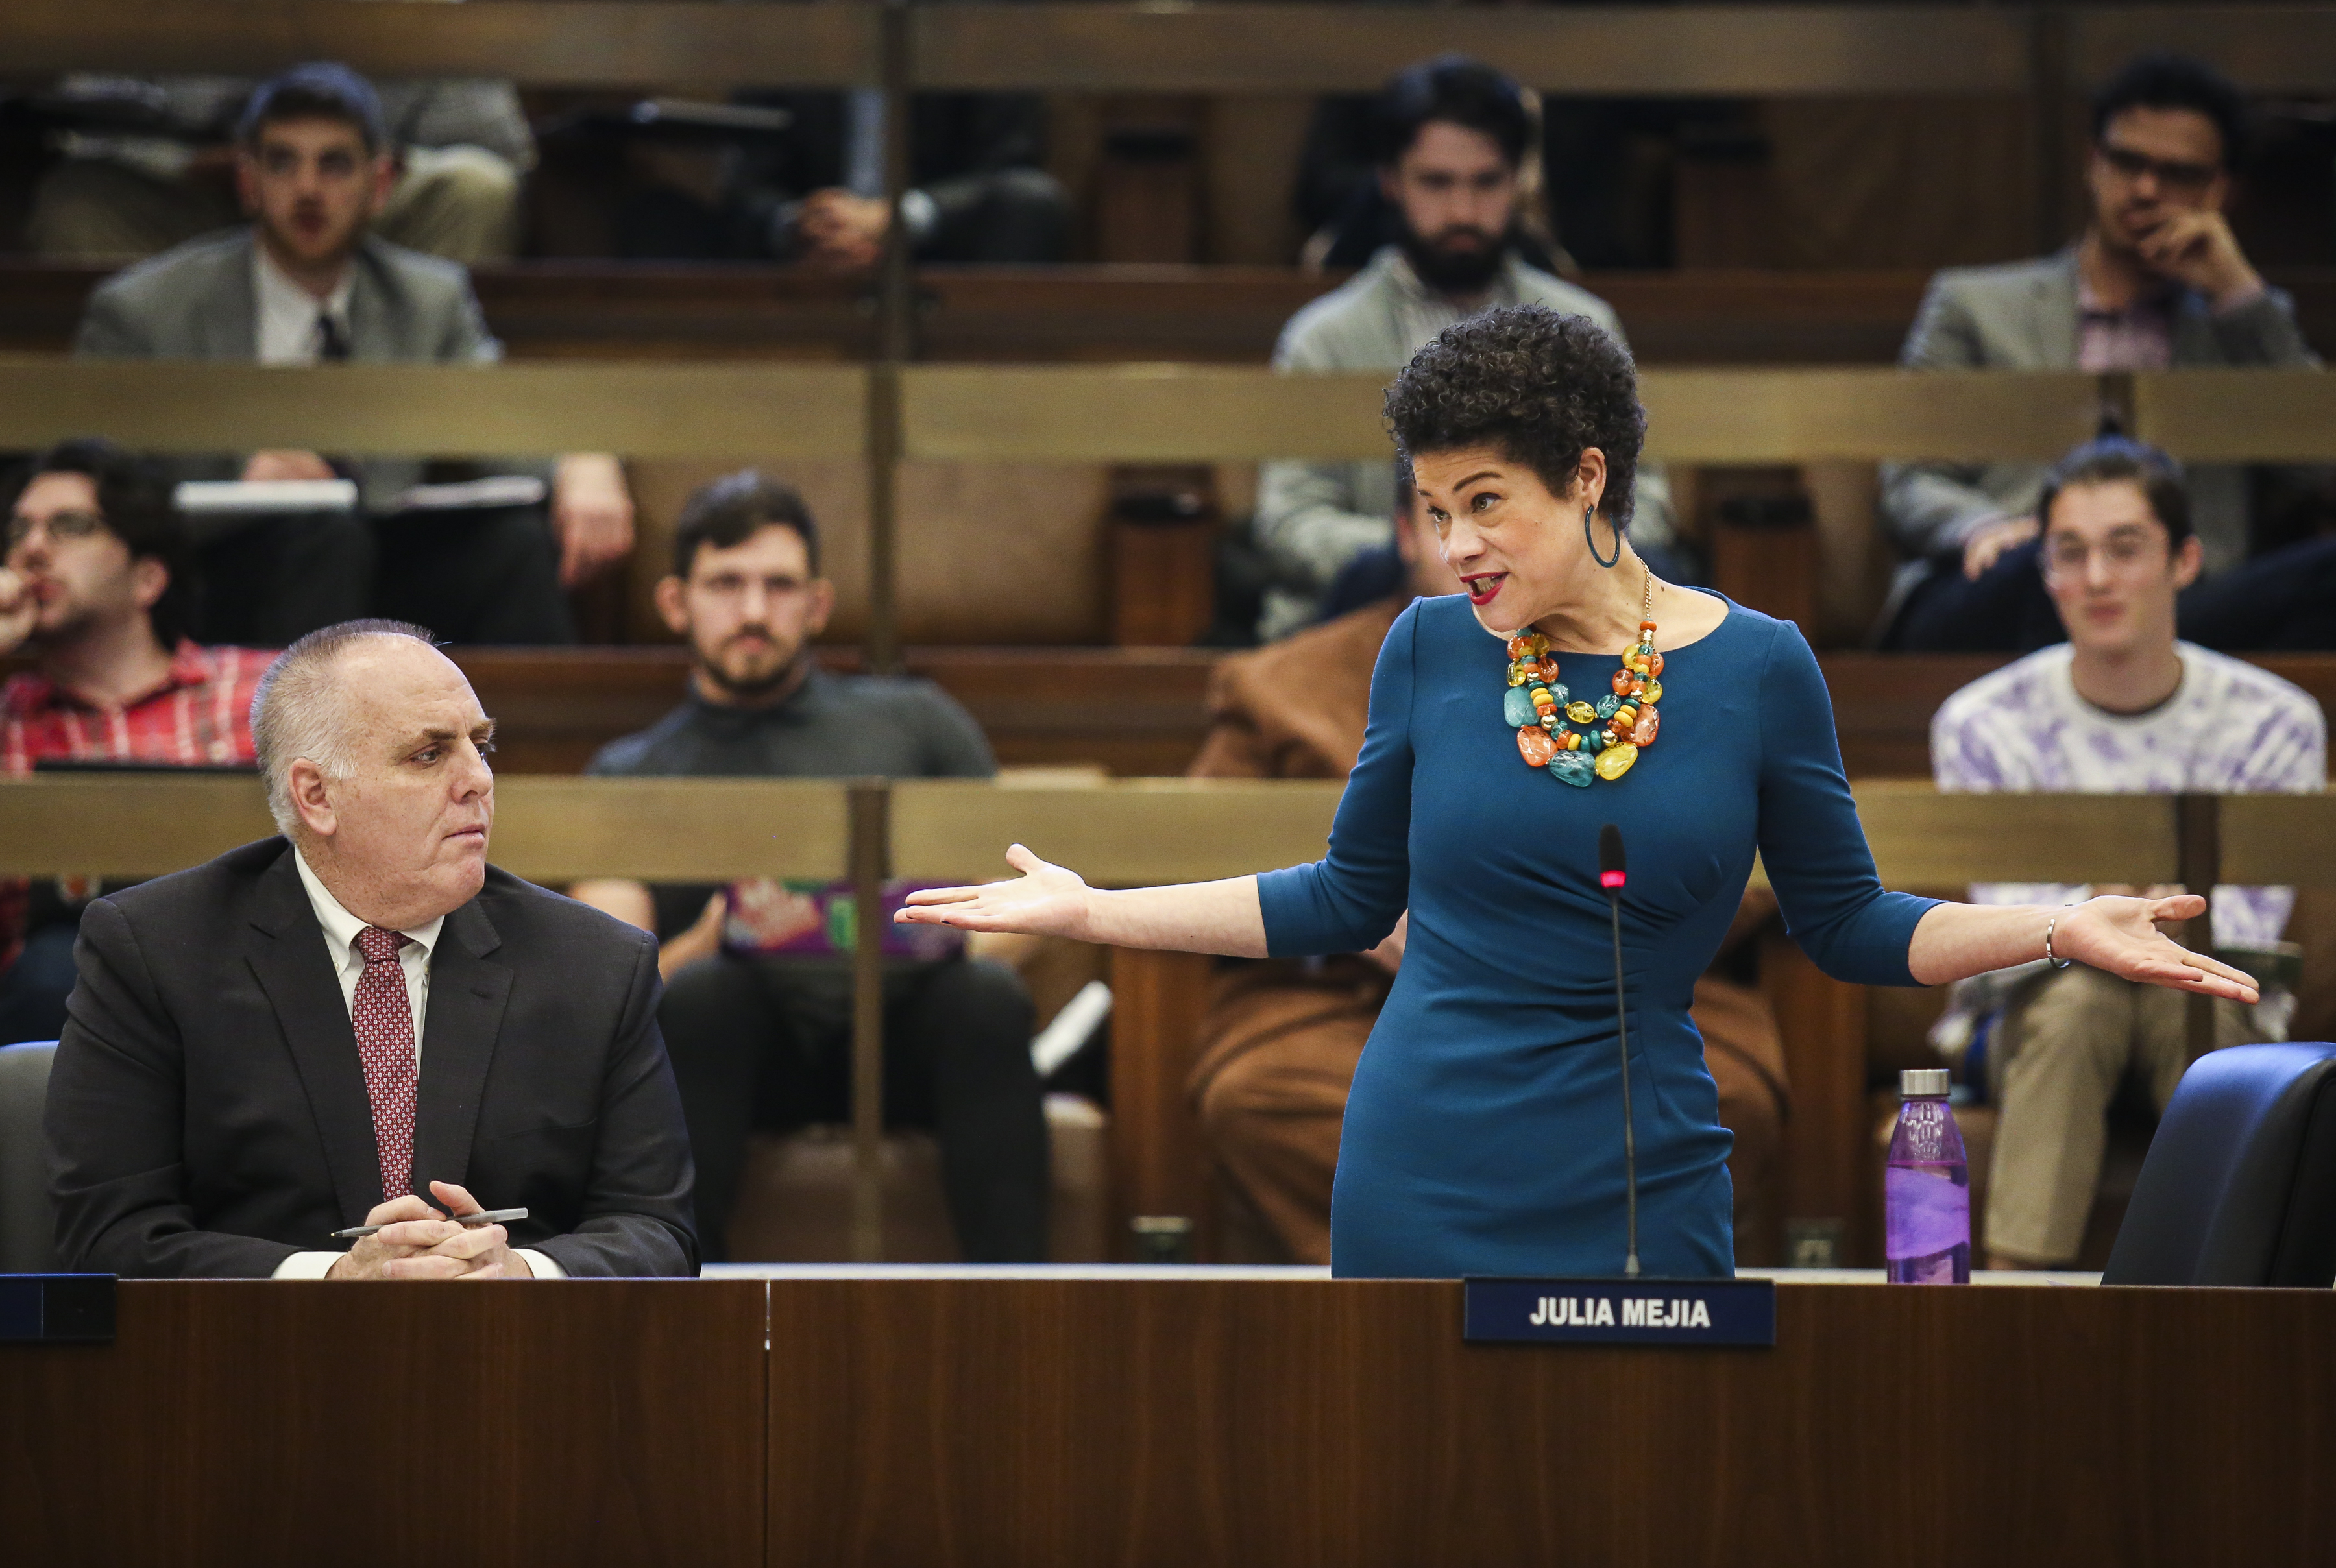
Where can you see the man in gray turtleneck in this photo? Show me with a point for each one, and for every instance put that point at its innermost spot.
(757, 1005)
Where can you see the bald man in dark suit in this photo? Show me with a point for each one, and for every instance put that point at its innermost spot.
(362, 1022)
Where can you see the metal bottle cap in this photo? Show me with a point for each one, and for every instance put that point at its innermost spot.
(1932, 1082)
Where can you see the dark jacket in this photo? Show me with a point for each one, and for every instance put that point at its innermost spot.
(208, 1113)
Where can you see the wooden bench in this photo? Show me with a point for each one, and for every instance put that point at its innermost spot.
(610, 309)
(1131, 711)
(1140, 711)
(563, 309)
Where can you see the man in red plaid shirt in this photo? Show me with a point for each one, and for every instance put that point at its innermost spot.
(96, 588)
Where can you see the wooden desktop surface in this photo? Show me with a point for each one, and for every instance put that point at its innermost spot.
(1042, 1421)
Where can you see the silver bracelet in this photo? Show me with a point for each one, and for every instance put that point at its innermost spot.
(2058, 963)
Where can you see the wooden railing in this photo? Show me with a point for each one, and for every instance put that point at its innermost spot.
(1706, 50)
(1119, 413)
(1116, 833)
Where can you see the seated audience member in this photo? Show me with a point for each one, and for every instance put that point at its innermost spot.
(2156, 281)
(303, 283)
(981, 192)
(1279, 1047)
(758, 1001)
(96, 587)
(1347, 217)
(1451, 134)
(150, 164)
(2120, 707)
(312, 1032)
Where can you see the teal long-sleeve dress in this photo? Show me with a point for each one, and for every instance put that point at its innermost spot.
(1484, 1132)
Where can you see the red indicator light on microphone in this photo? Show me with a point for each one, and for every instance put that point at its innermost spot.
(1609, 878)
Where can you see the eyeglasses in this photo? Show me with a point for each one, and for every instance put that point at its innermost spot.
(2065, 560)
(2187, 178)
(60, 524)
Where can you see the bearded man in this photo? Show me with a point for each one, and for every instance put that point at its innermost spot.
(757, 1008)
(1451, 139)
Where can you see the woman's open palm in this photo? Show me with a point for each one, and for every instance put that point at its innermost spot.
(2121, 937)
(1044, 900)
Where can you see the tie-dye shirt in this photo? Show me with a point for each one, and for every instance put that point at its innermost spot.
(2229, 728)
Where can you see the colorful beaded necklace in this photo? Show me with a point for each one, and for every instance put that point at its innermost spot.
(1613, 730)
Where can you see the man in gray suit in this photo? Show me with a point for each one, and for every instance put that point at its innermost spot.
(307, 283)
(2157, 281)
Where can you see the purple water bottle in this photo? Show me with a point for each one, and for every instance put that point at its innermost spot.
(1926, 1195)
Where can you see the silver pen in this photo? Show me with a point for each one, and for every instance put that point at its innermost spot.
(484, 1217)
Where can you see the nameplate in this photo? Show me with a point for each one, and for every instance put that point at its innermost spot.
(56, 1308)
(1622, 1311)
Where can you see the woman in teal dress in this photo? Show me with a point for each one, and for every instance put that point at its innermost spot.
(1568, 688)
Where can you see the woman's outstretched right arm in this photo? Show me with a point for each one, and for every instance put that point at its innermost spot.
(1221, 917)
(1346, 902)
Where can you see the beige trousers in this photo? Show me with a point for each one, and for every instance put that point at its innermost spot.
(2053, 1067)
(458, 202)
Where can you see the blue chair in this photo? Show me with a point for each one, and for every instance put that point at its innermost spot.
(2240, 1185)
(28, 1225)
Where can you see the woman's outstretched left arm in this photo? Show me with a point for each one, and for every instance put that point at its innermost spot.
(2119, 936)
(1817, 856)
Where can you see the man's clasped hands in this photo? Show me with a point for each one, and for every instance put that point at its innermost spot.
(417, 1242)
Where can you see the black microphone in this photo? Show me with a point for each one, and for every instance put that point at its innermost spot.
(1611, 876)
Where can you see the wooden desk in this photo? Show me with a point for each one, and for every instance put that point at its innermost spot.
(1041, 1420)
(1344, 1424)
(262, 1422)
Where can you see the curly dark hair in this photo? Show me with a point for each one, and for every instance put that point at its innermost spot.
(1533, 385)
(2162, 81)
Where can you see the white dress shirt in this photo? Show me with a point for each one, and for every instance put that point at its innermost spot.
(341, 931)
(288, 313)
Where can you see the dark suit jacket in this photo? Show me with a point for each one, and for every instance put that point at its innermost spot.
(208, 1113)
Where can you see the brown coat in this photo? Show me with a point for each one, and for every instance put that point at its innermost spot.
(1278, 1045)
(1296, 708)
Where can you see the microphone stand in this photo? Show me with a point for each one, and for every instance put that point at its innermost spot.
(1629, 1135)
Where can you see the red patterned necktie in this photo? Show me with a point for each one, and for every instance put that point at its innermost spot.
(383, 1014)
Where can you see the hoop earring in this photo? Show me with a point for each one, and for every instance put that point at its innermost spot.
(1591, 539)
